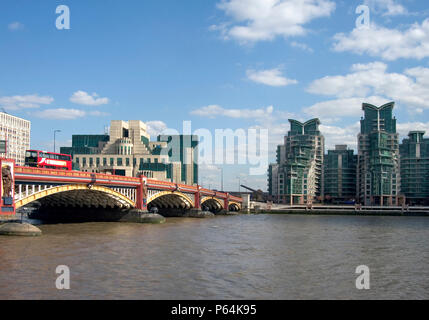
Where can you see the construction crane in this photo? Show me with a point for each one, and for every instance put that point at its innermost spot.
(257, 195)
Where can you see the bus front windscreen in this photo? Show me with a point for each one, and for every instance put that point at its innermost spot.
(31, 158)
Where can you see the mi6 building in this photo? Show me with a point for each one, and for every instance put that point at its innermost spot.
(128, 151)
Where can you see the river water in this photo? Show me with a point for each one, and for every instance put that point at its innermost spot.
(232, 257)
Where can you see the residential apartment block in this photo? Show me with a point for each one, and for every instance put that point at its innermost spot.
(297, 177)
(414, 153)
(378, 168)
(340, 175)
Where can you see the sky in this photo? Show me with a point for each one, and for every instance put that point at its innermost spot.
(221, 64)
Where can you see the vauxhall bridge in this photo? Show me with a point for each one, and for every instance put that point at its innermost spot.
(53, 189)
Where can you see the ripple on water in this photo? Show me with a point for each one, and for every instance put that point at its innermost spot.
(238, 257)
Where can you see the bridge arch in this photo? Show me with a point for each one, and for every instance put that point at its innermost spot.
(76, 194)
(171, 199)
(234, 206)
(214, 204)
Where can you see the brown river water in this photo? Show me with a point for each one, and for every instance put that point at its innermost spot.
(231, 257)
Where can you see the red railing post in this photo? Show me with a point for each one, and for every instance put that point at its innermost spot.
(197, 198)
(141, 201)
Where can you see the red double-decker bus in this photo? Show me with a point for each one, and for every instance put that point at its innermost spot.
(48, 160)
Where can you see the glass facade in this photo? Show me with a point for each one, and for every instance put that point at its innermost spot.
(340, 175)
(414, 153)
(297, 177)
(378, 159)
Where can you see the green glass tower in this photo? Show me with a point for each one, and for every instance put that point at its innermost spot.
(414, 153)
(297, 177)
(183, 149)
(378, 178)
(340, 175)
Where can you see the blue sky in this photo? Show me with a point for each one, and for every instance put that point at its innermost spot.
(218, 63)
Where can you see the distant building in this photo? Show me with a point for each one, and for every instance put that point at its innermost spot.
(128, 151)
(414, 153)
(378, 178)
(183, 149)
(16, 132)
(340, 175)
(297, 177)
(86, 144)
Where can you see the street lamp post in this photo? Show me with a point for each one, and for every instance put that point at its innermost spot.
(221, 181)
(55, 131)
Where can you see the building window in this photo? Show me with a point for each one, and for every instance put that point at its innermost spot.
(119, 161)
(104, 161)
(97, 161)
(127, 162)
(112, 161)
(91, 162)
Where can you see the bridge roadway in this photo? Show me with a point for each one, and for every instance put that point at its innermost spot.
(57, 188)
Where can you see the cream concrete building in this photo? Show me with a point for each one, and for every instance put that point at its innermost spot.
(16, 132)
(127, 151)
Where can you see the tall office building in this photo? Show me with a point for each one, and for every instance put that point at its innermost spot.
(183, 149)
(414, 153)
(378, 178)
(297, 177)
(16, 133)
(340, 175)
(128, 151)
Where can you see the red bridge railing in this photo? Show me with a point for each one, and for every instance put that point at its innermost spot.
(52, 175)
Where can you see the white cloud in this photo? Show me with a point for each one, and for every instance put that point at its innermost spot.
(155, 128)
(389, 44)
(213, 111)
(14, 26)
(24, 102)
(340, 135)
(98, 114)
(373, 80)
(386, 7)
(83, 98)
(60, 114)
(404, 128)
(301, 46)
(332, 110)
(260, 20)
(271, 77)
